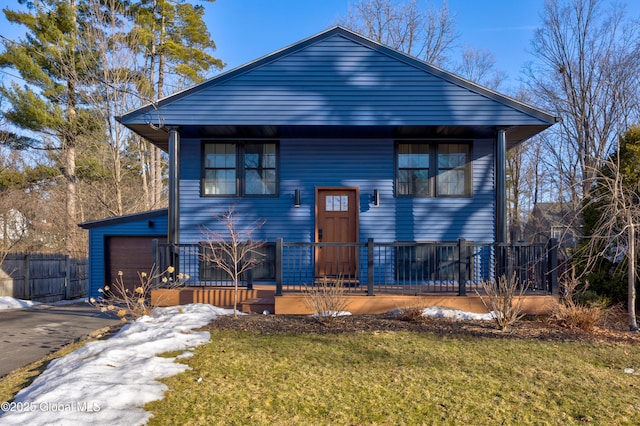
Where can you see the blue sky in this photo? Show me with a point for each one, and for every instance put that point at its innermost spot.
(245, 30)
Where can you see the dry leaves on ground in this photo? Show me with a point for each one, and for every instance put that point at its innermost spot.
(535, 329)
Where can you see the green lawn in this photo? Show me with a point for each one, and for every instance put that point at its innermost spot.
(401, 378)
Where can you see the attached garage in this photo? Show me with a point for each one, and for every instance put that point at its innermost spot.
(129, 255)
(123, 244)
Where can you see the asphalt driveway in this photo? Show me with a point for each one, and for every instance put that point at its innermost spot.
(26, 335)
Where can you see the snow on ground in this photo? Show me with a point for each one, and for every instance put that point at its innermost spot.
(442, 312)
(332, 314)
(7, 302)
(109, 381)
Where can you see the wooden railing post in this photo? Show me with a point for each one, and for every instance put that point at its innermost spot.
(552, 266)
(370, 267)
(462, 267)
(279, 263)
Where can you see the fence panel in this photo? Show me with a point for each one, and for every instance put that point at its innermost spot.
(44, 277)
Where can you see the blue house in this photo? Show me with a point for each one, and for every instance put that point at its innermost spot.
(361, 160)
(123, 244)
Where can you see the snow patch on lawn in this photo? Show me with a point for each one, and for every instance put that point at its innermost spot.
(109, 381)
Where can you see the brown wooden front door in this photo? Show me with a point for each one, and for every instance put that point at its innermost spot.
(337, 222)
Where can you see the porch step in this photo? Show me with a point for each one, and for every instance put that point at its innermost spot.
(220, 297)
(258, 305)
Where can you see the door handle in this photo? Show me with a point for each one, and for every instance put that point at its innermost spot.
(320, 235)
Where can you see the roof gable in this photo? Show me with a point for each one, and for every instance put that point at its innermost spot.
(337, 78)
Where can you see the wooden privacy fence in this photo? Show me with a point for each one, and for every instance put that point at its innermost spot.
(44, 277)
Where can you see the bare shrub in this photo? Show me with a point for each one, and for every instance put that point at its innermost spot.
(504, 297)
(326, 299)
(129, 305)
(570, 313)
(414, 314)
(577, 315)
(411, 310)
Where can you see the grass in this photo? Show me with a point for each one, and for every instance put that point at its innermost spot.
(400, 378)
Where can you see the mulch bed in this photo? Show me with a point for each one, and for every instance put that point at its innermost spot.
(533, 329)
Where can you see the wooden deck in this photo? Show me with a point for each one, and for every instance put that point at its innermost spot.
(262, 298)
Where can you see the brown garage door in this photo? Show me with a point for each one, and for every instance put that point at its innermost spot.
(129, 255)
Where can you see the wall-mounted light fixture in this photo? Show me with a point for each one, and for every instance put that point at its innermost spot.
(376, 198)
(297, 198)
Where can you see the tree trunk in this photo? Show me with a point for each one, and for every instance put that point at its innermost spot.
(142, 155)
(70, 143)
(631, 279)
(157, 183)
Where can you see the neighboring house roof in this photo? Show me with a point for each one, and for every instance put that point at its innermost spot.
(547, 216)
(337, 79)
(117, 220)
(556, 214)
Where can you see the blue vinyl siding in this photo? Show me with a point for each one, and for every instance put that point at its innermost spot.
(98, 236)
(338, 81)
(365, 164)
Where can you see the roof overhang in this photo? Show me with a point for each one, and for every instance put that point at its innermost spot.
(160, 136)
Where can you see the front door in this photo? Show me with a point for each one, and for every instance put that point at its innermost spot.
(337, 222)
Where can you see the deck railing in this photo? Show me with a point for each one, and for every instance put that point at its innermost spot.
(375, 267)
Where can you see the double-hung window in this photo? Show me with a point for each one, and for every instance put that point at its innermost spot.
(240, 169)
(433, 169)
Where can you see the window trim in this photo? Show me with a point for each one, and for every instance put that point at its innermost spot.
(240, 169)
(433, 168)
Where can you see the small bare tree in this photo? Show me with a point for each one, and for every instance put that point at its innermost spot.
(233, 251)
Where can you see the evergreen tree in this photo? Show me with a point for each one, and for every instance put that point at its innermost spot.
(84, 62)
(49, 105)
(175, 43)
